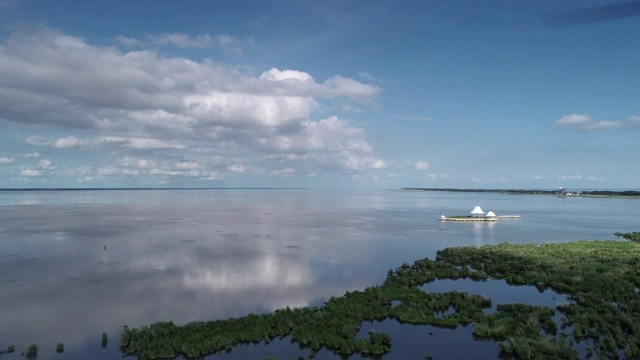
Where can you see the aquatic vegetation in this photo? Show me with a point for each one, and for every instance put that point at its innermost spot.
(60, 348)
(601, 278)
(105, 339)
(11, 348)
(32, 350)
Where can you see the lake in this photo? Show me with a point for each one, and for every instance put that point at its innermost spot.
(75, 264)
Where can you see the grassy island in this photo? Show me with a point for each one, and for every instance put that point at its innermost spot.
(600, 278)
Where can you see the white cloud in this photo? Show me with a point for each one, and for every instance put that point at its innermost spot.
(570, 177)
(224, 42)
(595, 178)
(38, 141)
(538, 177)
(421, 165)
(634, 119)
(137, 162)
(183, 40)
(30, 172)
(4, 160)
(67, 142)
(46, 164)
(367, 76)
(129, 102)
(575, 120)
(127, 41)
(236, 168)
(604, 125)
(274, 74)
(117, 171)
(283, 172)
(31, 155)
(139, 143)
(586, 122)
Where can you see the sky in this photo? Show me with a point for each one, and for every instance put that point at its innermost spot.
(301, 93)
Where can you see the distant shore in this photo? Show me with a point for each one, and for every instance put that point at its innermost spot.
(596, 193)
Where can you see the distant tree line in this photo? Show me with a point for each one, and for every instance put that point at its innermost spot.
(612, 193)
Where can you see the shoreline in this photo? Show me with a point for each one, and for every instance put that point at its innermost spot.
(626, 194)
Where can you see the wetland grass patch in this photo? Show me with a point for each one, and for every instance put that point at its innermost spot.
(600, 278)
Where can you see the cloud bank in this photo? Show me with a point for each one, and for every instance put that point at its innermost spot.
(141, 103)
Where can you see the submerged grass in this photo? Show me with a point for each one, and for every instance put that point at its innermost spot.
(602, 279)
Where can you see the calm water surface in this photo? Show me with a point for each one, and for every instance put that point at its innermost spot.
(75, 264)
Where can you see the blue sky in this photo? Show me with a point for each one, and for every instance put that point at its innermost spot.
(316, 94)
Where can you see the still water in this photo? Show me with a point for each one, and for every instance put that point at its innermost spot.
(75, 264)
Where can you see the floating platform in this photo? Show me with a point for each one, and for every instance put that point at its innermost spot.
(477, 218)
(467, 218)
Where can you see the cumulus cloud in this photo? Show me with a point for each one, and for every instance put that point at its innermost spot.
(137, 162)
(4, 160)
(143, 143)
(236, 168)
(586, 122)
(634, 119)
(127, 41)
(46, 164)
(67, 142)
(31, 155)
(570, 177)
(224, 42)
(421, 165)
(30, 172)
(105, 98)
(283, 172)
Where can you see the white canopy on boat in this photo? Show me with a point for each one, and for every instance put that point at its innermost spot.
(477, 211)
(491, 214)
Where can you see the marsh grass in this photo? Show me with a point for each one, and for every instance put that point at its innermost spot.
(601, 279)
(32, 351)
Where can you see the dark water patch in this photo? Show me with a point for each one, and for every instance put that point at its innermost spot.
(418, 341)
(229, 235)
(295, 247)
(499, 292)
(187, 240)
